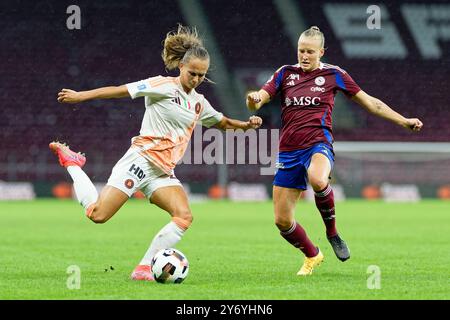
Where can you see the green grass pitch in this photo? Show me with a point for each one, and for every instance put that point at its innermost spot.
(234, 250)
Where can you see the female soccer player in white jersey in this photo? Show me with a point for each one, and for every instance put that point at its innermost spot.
(173, 108)
(306, 143)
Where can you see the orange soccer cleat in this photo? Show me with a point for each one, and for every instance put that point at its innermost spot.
(142, 272)
(66, 156)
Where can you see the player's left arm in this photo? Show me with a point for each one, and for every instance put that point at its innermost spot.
(379, 108)
(254, 122)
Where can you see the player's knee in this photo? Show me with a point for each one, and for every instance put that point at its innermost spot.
(283, 223)
(183, 213)
(318, 184)
(183, 218)
(95, 213)
(99, 219)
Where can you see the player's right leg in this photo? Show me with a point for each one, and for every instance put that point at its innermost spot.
(98, 209)
(285, 200)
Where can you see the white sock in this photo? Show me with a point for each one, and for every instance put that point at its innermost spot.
(84, 188)
(167, 237)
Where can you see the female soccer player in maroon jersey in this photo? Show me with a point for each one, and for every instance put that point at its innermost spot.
(306, 143)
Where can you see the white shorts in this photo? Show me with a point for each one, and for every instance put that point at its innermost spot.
(133, 172)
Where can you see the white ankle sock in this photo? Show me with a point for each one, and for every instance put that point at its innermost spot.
(84, 188)
(167, 237)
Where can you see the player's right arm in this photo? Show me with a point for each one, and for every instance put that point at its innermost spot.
(72, 96)
(257, 99)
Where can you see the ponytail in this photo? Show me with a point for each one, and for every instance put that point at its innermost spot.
(181, 45)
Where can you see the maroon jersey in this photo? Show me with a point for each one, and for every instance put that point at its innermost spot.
(307, 101)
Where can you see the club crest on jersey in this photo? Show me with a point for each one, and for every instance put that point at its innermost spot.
(198, 108)
(319, 81)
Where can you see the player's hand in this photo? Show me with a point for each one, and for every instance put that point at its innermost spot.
(254, 122)
(413, 124)
(69, 96)
(253, 98)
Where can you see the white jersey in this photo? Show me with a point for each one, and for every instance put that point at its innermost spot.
(170, 117)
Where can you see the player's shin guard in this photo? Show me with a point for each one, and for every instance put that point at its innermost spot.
(167, 237)
(296, 236)
(84, 188)
(325, 203)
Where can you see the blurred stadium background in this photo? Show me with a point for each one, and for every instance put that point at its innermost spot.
(406, 63)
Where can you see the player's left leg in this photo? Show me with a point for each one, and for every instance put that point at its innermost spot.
(97, 208)
(318, 175)
(85, 190)
(111, 199)
(174, 200)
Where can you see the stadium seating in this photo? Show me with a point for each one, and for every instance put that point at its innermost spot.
(41, 56)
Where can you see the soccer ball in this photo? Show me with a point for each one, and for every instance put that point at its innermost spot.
(170, 266)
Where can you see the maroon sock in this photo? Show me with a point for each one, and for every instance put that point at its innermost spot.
(296, 236)
(325, 204)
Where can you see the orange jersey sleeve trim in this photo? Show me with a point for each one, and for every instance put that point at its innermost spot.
(159, 82)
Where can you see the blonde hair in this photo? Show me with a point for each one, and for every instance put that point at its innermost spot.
(181, 45)
(314, 32)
